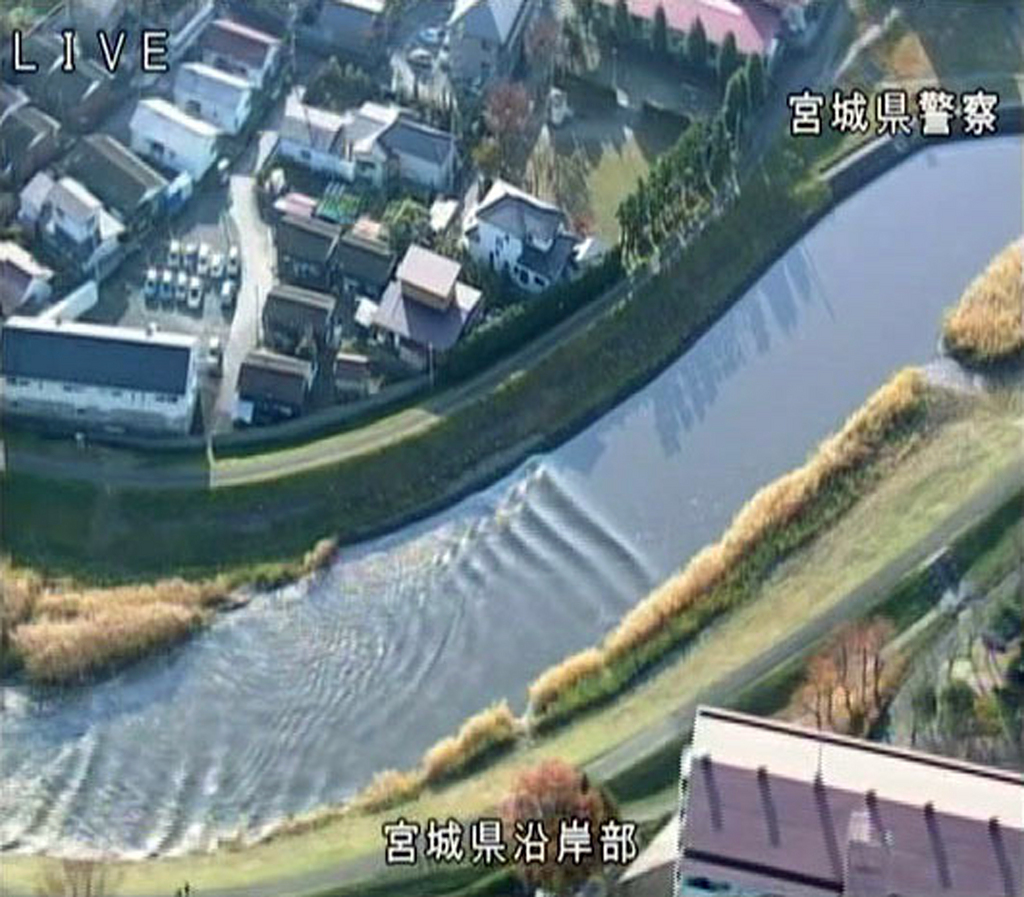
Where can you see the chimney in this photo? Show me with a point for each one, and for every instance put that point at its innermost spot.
(868, 853)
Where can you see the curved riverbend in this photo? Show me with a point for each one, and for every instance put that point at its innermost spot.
(297, 699)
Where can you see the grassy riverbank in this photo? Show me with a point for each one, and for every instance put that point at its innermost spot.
(987, 325)
(969, 447)
(102, 532)
(60, 633)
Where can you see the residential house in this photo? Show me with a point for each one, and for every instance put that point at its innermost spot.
(365, 260)
(426, 308)
(272, 387)
(486, 38)
(89, 375)
(222, 99)
(353, 375)
(76, 227)
(298, 321)
(24, 283)
(515, 233)
(313, 137)
(173, 138)
(305, 252)
(29, 139)
(240, 50)
(126, 185)
(370, 144)
(80, 99)
(32, 199)
(756, 24)
(11, 98)
(775, 808)
(354, 28)
(89, 16)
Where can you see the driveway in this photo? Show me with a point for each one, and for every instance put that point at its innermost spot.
(256, 246)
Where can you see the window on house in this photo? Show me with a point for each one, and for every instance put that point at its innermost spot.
(524, 277)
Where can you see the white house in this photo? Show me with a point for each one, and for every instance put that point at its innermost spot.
(74, 223)
(367, 144)
(513, 232)
(218, 97)
(98, 376)
(23, 281)
(173, 138)
(240, 50)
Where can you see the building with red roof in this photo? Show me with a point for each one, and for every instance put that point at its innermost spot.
(756, 24)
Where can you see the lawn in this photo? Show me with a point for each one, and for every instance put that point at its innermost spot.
(593, 162)
(960, 44)
(958, 463)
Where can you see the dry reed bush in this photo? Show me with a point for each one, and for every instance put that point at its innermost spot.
(388, 789)
(73, 604)
(491, 728)
(767, 513)
(19, 593)
(987, 324)
(320, 555)
(62, 650)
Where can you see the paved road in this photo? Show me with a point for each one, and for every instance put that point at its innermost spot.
(256, 247)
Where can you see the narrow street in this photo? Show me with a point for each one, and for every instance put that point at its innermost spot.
(256, 246)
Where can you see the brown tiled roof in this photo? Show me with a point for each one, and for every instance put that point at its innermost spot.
(238, 41)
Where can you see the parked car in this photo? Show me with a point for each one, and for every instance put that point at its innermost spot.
(228, 293)
(203, 262)
(432, 37)
(167, 285)
(181, 293)
(234, 264)
(191, 252)
(174, 257)
(216, 357)
(420, 58)
(152, 287)
(217, 265)
(195, 293)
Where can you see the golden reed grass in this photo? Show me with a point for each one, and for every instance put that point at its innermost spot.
(62, 633)
(769, 511)
(495, 727)
(987, 325)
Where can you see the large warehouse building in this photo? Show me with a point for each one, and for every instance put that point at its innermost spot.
(97, 376)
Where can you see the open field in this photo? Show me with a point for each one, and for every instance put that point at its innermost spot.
(976, 449)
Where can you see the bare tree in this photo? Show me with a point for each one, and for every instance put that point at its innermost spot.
(507, 113)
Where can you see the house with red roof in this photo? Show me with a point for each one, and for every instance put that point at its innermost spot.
(756, 24)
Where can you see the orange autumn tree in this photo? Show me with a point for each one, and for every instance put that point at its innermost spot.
(554, 794)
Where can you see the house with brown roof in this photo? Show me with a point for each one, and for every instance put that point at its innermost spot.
(306, 252)
(240, 50)
(426, 308)
(297, 320)
(24, 283)
(29, 139)
(775, 808)
(364, 259)
(272, 387)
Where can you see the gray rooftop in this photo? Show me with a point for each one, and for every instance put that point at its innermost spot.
(92, 355)
(425, 326)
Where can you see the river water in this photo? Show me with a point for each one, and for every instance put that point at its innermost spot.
(296, 700)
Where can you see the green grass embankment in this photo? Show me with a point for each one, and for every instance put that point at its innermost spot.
(124, 533)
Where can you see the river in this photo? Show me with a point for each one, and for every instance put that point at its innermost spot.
(296, 700)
